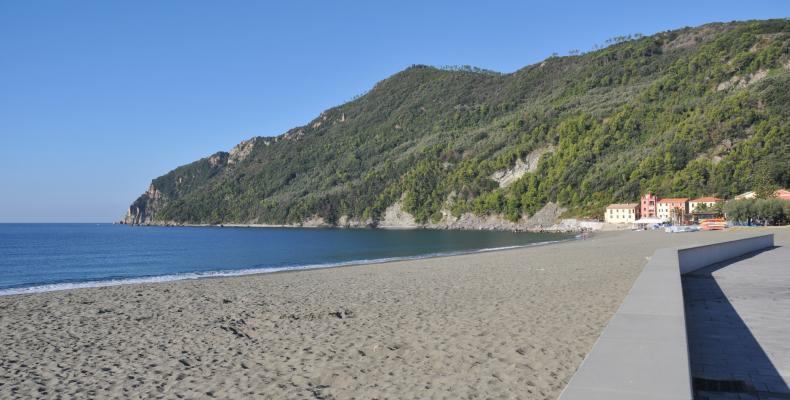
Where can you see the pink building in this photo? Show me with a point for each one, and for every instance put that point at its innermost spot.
(648, 206)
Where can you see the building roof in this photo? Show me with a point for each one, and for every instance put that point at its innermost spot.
(674, 200)
(783, 194)
(747, 195)
(707, 200)
(622, 206)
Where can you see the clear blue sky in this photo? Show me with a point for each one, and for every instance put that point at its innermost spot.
(99, 97)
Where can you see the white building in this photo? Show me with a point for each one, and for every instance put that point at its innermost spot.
(672, 209)
(709, 203)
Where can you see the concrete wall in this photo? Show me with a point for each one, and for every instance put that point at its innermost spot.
(591, 225)
(694, 258)
(643, 353)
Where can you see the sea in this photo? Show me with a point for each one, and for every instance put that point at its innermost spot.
(46, 257)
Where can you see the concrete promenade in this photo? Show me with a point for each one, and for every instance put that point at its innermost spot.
(738, 324)
(710, 321)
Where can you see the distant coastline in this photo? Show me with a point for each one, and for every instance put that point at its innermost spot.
(547, 220)
(551, 229)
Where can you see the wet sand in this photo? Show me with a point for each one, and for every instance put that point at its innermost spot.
(505, 324)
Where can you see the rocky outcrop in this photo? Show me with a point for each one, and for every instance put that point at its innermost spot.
(241, 151)
(143, 210)
(315, 222)
(349, 222)
(738, 82)
(506, 177)
(469, 221)
(529, 164)
(547, 219)
(396, 218)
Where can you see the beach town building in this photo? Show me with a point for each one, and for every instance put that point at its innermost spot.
(706, 202)
(652, 209)
(648, 206)
(704, 209)
(782, 194)
(746, 196)
(673, 209)
(622, 213)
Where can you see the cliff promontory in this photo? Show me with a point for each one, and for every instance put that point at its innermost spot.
(690, 112)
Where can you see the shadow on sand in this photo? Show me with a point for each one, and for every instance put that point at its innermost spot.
(726, 359)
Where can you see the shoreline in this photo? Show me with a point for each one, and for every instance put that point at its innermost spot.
(241, 272)
(500, 324)
(387, 227)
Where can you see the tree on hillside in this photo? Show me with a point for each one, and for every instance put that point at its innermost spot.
(763, 187)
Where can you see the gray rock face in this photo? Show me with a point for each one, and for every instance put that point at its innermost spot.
(547, 219)
(143, 210)
(395, 217)
(530, 164)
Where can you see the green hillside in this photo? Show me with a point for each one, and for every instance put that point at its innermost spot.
(690, 112)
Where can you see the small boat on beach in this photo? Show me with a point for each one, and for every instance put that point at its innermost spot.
(713, 224)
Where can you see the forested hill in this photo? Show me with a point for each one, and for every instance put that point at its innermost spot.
(691, 112)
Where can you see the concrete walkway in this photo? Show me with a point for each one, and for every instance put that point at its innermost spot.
(738, 326)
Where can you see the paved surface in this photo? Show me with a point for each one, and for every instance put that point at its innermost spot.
(643, 352)
(645, 339)
(738, 323)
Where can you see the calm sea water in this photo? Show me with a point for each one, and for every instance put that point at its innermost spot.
(42, 257)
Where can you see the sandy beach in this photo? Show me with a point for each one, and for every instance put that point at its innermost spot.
(512, 324)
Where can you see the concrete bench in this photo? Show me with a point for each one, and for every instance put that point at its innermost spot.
(643, 353)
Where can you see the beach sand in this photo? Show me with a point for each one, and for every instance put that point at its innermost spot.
(505, 324)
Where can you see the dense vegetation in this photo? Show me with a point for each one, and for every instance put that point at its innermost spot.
(691, 112)
(758, 211)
